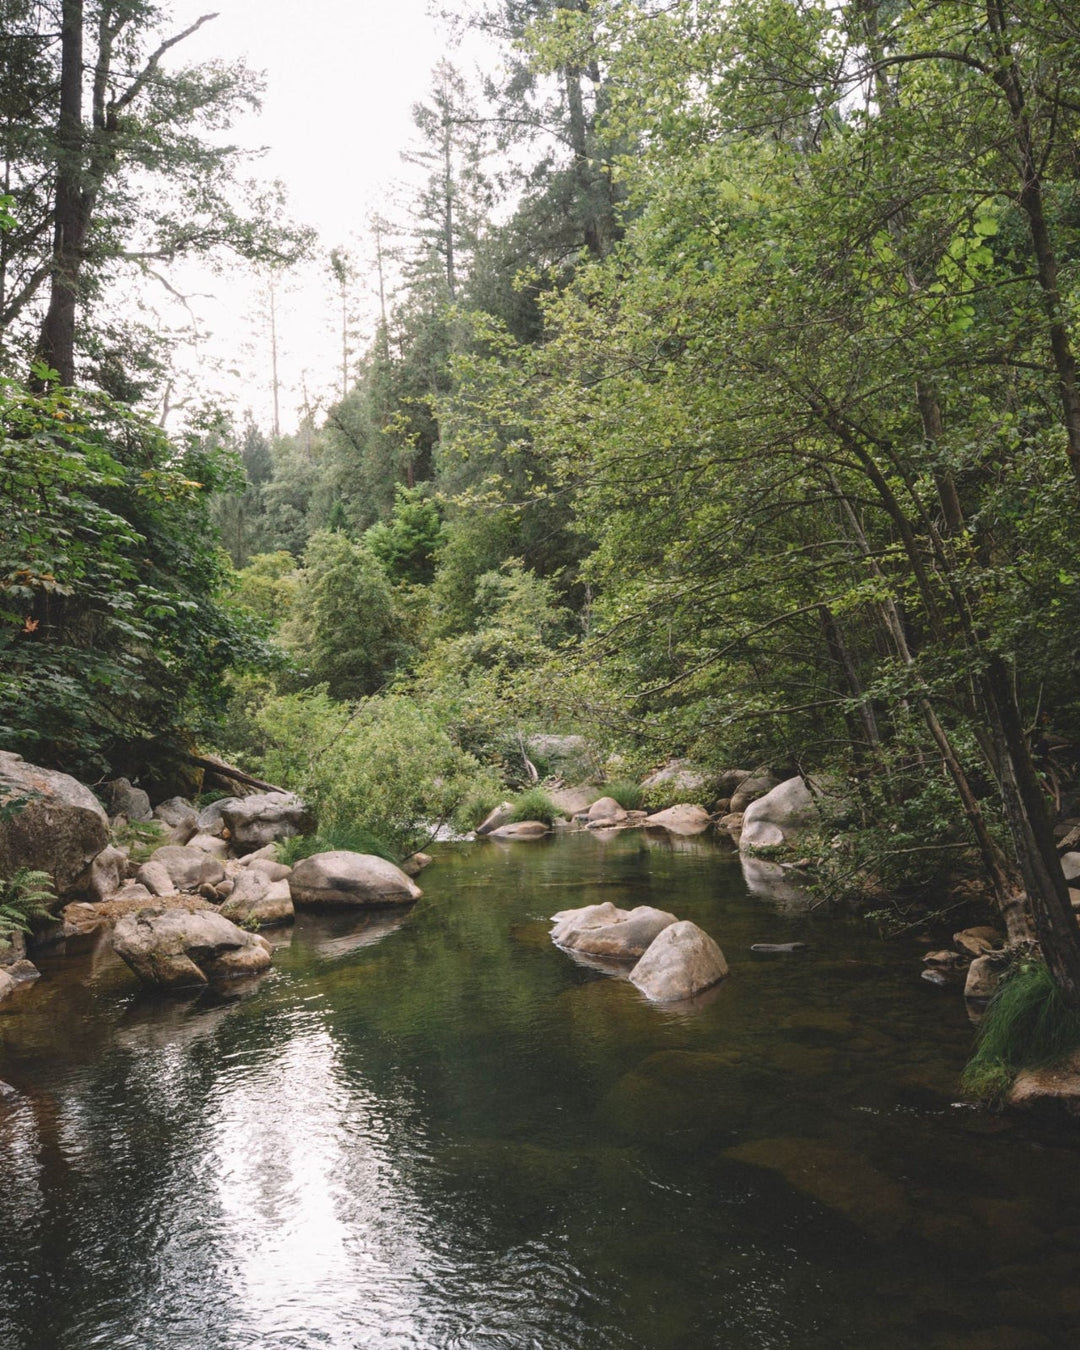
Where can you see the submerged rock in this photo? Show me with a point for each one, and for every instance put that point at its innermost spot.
(415, 863)
(181, 948)
(836, 1177)
(681, 962)
(344, 878)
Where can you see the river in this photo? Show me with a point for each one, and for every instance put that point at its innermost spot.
(435, 1130)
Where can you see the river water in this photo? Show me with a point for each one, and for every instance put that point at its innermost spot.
(436, 1130)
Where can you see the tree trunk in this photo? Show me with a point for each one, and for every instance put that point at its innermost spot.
(56, 341)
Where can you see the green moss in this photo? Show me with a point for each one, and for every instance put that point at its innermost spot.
(1027, 1025)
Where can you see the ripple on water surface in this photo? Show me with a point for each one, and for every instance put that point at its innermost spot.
(435, 1130)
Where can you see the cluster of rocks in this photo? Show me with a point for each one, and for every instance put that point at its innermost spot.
(187, 915)
(674, 959)
(977, 957)
(752, 808)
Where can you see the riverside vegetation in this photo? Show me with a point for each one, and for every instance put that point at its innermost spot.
(751, 435)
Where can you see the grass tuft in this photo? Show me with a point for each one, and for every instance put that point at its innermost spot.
(535, 805)
(1027, 1025)
(348, 838)
(629, 795)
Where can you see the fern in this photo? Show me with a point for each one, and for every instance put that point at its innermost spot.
(24, 896)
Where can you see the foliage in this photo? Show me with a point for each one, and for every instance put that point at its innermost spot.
(343, 835)
(141, 838)
(112, 636)
(24, 896)
(1028, 1024)
(535, 805)
(407, 544)
(343, 625)
(385, 765)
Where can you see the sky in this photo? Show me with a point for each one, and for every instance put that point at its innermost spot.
(342, 77)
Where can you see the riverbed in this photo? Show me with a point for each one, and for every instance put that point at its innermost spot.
(434, 1129)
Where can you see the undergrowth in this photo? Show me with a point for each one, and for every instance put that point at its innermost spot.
(1027, 1025)
(24, 896)
(535, 805)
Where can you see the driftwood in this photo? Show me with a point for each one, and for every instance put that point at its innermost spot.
(214, 765)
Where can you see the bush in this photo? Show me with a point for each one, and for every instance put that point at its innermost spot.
(1027, 1025)
(385, 766)
(535, 805)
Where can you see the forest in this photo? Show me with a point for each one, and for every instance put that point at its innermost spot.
(723, 406)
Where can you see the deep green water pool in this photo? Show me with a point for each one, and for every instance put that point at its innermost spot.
(436, 1130)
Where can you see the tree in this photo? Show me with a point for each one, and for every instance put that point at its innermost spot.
(112, 164)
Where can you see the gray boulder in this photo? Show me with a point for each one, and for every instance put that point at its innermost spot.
(261, 819)
(494, 819)
(179, 817)
(627, 938)
(211, 818)
(124, 800)
(605, 811)
(155, 877)
(750, 789)
(180, 949)
(778, 818)
(188, 868)
(1070, 865)
(589, 916)
(343, 878)
(565, 756)
(61, 828)
(522, 829)
(681, 819)
(209, 843)
(107, 872)
(271, 870)
(257, 899)
(678, 777)
(681, 962)
(983, 977)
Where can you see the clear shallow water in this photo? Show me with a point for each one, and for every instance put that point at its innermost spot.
(436, 1130)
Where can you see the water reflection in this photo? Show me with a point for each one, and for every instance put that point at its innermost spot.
(436, 1130)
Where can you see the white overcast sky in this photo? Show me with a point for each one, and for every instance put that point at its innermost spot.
(341, 79)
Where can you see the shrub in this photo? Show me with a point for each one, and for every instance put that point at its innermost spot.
(535, 805)
(1027, 1025)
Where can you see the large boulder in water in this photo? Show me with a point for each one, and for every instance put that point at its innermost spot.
(684, 818)
(605, 812)
(253, 822)
(180, 949)
(681, 962)
(58, 826)
(343, 878)
(626, 938)
(521, 829)
(779, 817)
